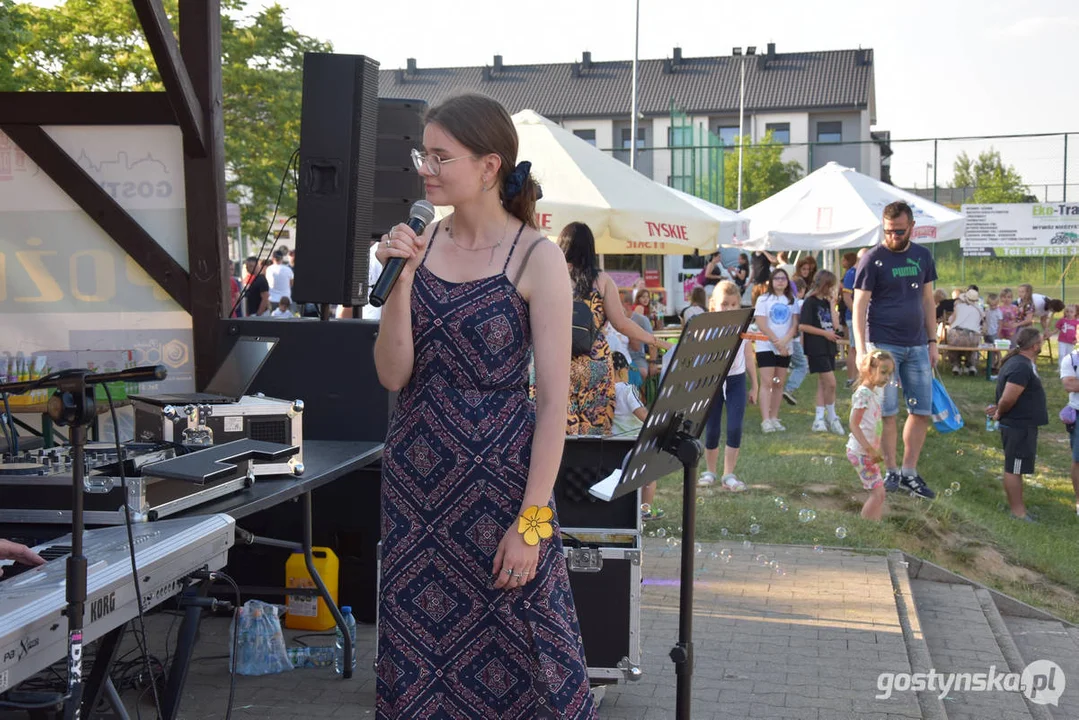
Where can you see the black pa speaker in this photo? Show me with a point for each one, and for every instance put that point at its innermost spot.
(397, 184)
(338, 135)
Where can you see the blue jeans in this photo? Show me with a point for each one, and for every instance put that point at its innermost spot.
(735, 391)
(914, 373)
(799, 367)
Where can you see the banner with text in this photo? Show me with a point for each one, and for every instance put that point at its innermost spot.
(1021, 230)
(64, 283)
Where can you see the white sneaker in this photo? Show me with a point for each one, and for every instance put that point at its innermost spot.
(836, 426)
(706, 479)
(767, 426)
(732, 483)
(819, 425)
(778, 426)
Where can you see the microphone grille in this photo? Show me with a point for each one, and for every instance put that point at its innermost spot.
(423, 210)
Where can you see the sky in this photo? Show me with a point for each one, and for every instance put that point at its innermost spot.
(944, 68)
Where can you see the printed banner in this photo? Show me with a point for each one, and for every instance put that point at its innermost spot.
(64, 283)
(1021, 230)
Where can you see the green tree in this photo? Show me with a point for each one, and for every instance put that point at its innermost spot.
(763, 171)
(992, 180)
(98, 45)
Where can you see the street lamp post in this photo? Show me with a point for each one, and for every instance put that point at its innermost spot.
(741, 123)
(633, 91)
(928, 167)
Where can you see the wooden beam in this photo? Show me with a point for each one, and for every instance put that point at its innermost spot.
(174, 74)
(86, 108)
(204, 182)
(103, 210)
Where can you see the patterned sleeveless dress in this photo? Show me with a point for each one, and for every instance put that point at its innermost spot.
(591, 381)
(456, 460)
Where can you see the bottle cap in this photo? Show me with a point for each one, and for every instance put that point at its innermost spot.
(346, 609)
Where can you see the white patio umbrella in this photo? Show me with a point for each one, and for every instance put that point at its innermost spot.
(628, 212)
(836, 207)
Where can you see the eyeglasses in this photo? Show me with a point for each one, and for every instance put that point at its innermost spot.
(433, 163)
(897, 232)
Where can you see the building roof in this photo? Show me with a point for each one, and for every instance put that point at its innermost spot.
(832, 79)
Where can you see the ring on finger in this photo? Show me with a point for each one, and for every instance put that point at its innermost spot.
(510, 572)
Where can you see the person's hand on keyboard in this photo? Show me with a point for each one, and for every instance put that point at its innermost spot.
(19, 553)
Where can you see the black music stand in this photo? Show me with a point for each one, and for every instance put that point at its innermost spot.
(670, 439)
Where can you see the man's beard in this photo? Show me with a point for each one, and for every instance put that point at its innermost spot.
(898, 248)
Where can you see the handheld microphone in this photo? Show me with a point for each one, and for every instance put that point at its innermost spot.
(419, 216)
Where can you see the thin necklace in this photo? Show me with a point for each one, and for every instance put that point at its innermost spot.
(492, 248)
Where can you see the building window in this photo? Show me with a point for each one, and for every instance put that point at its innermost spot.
(627, 133)
(830, 132)
(781, 132)
(588, 135)
(681, 136)
(728, 135)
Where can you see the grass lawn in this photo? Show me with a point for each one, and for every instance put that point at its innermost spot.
(968, 531)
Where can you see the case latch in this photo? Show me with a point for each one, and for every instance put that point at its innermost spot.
(585, 560)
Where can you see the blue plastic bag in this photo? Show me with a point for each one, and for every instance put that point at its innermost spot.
(260, 644)
(946, 416)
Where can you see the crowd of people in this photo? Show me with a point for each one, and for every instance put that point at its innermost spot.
(882, 310)
(266, 286)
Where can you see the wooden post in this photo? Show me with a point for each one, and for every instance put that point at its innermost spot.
(204, 182)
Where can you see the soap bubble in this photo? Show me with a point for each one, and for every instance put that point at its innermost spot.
(775, 380)
(915, 285)
(697, 548)
(779, 570)
(777, 500)
(913, 402)
(651, 533)
(815, 460)
(959, 453)
(754, 529)
(646, 508)
(662, 532)
(807, 515)
(829, 460)
(818, 549)
(725, 554)
(878, 263)
(700, 499)
(713, 555)
(805, 496)
(747, 544)
(784, 507)
(753, 518)
(841, 532)
(955, 486)
(724, 532)
(947, 492)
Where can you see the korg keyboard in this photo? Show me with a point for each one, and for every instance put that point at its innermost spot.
(33, 626)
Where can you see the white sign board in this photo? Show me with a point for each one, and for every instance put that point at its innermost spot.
(64, 283)
(1021, 230)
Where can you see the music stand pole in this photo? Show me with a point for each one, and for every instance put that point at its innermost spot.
(688, 450)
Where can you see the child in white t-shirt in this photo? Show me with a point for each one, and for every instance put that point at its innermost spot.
(629, 416)
(866, 409)
(284, 308)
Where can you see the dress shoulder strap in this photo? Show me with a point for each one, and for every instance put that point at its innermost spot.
(524, 260)
(513, 247)
(431, 242)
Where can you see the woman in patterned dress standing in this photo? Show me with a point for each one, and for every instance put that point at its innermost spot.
(476, 619)
(591, 387)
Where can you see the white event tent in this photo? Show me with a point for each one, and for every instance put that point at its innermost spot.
(836, 207)
(628, 212)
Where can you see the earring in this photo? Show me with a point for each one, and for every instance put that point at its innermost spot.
(483, 185)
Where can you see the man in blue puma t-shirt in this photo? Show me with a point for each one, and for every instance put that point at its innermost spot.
(894, 311)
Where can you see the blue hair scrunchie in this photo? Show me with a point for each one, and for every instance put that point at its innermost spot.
(515, 181)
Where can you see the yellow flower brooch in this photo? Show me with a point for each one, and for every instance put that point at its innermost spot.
(535, 524)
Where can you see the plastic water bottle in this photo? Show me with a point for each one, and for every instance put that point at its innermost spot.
(339, 643)
(989, 423)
